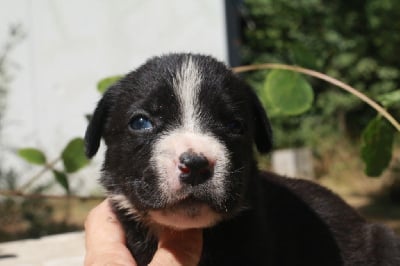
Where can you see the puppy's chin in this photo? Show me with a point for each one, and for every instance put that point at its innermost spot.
(185, 215)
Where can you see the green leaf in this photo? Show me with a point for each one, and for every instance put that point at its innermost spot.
(61, 179)
(105, 83)
(376, 147)
(389, 99)
(33, 156)
(288, 92)
(73, 155)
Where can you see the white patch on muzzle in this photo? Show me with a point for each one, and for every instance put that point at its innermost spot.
(189, 136)
(166, 160)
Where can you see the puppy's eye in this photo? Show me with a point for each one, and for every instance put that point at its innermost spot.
(140, 123)
(235, 127)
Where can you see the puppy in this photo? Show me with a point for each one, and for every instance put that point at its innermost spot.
(180, 134)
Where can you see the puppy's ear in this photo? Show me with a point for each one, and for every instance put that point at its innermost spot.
(94, 130)
(262, 127)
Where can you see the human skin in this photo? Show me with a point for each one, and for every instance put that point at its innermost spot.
(105, 242)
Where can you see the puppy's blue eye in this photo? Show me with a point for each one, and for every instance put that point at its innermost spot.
(140, 123)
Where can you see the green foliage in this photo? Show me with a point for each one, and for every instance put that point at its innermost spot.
(105, 83)
(377, 143)
(302, 56)
(73, 158)
(354, 42)
(62, 179)
(390, 99)
(287, 93)
(33, 156)
(73, 155)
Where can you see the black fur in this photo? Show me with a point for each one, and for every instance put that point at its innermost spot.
(268, 219)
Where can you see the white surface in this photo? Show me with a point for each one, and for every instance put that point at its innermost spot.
(71, 45)
(293, 163)
(58, 250)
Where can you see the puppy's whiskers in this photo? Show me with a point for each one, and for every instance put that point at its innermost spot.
(237, 171)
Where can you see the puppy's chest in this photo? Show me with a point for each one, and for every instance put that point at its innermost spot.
(217, 249)
(224, 244)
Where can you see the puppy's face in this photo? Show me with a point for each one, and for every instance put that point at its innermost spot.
(179, 133)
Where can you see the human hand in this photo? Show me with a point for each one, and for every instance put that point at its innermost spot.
(105, 242)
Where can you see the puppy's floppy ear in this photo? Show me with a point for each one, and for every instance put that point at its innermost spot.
(262, 127)
(94, 130)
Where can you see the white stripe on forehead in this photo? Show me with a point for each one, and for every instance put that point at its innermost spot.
(187, 86)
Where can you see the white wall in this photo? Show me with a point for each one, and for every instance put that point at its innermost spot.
(70, 45)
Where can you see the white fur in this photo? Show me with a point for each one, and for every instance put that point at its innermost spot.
(187, 86)
(125, 205)
(196, 216)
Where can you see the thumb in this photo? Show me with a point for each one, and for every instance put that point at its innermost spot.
(176, 248)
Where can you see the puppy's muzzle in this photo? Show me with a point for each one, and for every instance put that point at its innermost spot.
(194, 168)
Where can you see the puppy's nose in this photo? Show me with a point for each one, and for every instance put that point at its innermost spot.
(195, 168)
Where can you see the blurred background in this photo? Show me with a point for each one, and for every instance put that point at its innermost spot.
(54, 56)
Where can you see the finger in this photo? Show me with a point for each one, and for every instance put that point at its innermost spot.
(102, 225)
(178, 248)
(105, 239)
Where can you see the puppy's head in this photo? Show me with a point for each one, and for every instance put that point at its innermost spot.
(179, 133)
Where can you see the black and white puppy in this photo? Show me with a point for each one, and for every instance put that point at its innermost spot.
(180, 132)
